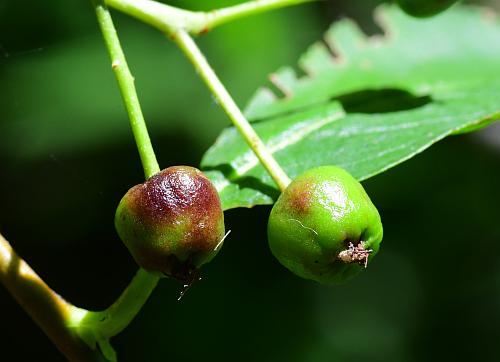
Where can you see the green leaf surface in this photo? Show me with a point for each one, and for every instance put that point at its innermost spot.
(367, 103)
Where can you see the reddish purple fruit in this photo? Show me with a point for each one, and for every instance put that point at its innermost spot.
(173, 223)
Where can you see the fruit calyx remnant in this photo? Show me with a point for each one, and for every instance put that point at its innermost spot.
(355, 254)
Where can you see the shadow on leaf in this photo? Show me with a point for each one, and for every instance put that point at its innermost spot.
(367, 101)
(245, 182)
(381, 101)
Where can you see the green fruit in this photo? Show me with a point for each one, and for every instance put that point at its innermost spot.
(324, 226)
(424, 8)
(173, 223)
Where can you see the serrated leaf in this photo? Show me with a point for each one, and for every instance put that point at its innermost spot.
(372, 104)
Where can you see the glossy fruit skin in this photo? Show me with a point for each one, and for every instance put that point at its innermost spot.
(173, 223)
(319, 214)
(424, 8)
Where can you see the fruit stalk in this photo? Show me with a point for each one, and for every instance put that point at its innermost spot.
(193, 53)
(127, 89)
(121, 313)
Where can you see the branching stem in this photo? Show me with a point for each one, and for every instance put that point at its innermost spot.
(49, 310)
(170, 19)
(75, 331)
(100, 326)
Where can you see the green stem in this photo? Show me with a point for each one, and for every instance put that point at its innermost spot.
(108, 323)
(164, 17)
(127, 89)
(169, 19)
(49, 310)
(193, 53)
(225, 15)
(73, 330)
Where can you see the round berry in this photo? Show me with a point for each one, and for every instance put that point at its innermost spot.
(172, 223)
(324, 226)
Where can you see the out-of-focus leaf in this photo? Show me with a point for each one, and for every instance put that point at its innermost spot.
(63, 98)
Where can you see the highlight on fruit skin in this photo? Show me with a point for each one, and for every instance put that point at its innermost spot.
(172, 223)
(424, 8)
(324, 226)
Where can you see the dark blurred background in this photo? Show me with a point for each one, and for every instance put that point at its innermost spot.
(67, 156)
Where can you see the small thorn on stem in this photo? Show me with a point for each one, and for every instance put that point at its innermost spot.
(355, 254)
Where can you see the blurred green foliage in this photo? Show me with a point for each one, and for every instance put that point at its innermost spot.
(67, 156)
